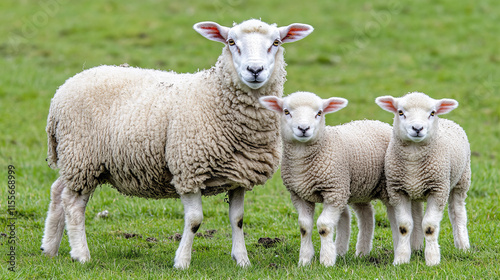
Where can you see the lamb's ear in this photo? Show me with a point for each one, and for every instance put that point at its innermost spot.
(294, 32)
(333, 104)
(272, 103)
(444, 106)
(387, 103)
(212, 31)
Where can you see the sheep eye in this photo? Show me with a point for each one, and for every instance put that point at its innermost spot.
(433, 113)
(286, 112)
(231, 42)
(319, 114)
(401, 113)
(276, 43)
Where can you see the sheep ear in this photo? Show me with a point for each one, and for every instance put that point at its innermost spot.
(272, 103)
(444, 106)
(294, 32)
(387, 103)
(334, 104)
(212, 31)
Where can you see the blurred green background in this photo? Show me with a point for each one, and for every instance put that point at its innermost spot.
(359, 50)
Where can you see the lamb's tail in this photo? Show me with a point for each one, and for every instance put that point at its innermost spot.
(51, 130)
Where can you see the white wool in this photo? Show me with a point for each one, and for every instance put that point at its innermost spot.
(336, 166)
(159, 134)
(428, 159)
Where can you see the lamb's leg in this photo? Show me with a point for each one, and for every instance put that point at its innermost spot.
(193, 216)
(366, 226)
(417, 235)
(54, 224)
(458, 218)
(343, 232)
(305, 210)
(74, 204)
(236, 209)
(391, 215)
(430, 224)
(326, 224)
(404, 224)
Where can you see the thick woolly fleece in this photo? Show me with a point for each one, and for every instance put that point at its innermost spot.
(344, 165)
(158, 134)
(418, 170)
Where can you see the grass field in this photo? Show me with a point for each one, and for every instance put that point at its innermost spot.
(359, 50)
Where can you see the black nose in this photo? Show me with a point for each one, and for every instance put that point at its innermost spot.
(417, 129)
(303, 129)
(255, 70)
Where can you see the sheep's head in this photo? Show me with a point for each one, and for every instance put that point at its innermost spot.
(416, 114)
(253, 45)
(302, 114)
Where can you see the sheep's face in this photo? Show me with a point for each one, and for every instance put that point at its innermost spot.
(254, 54)
(416, 114)
(253, 45)
(302, 114)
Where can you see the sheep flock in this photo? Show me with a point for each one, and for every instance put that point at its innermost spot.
(159, 134)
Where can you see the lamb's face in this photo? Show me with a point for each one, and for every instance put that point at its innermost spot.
(416, 114)
(416, 119)
(302, 117)
(253, 45)
(302, 114)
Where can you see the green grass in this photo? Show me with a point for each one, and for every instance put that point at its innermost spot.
(359, 50)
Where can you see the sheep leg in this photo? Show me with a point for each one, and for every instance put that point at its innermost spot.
(305, 210)
(417, 235)
(193, 216)
(54, 224)
(326, 224)
(236, 209)
(343, 232)
(458, 218)
(430, 224)
(404, 224)
(366, 226)
(74, 204)
(394, 228)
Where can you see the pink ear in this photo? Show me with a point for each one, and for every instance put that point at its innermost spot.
(272, 103)
(334, 104)
(387, 103)
(212, 31)
(445, 106)
(294, 32)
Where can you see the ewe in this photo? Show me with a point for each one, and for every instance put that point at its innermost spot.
(158, 134)
(335, 166)
(427, 159)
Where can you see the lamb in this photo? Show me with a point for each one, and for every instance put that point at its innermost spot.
(428, 159)
(336, 166)
(158, 134)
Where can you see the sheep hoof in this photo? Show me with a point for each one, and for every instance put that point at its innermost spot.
(81, 260)
(81, 257)
(327, 261)
(304, 262)
(432, 258)
(464, 245)
(432, 254)
(244, 263)
(401, 260)
(432, 262)
(48, 252)
(181, 265)
(360, 253)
